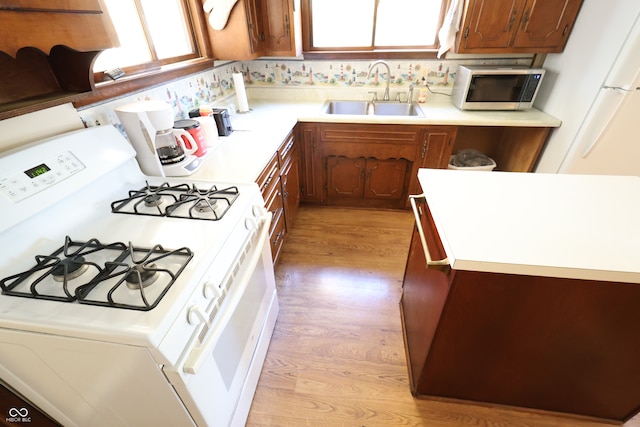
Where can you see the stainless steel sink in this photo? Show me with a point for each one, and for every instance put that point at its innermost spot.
(345, 107)
(397, 109)
(370, 108)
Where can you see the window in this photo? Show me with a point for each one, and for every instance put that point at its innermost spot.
(150, 31)
(372, 25)
(160, 40)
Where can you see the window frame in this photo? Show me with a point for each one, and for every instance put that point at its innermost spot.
(161, 71)
(400, 52)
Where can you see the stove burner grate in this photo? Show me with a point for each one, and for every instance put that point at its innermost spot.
(178, 201)
(64, 266)
(114, 275)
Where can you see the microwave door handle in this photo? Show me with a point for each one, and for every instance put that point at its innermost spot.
(442, 264)
(198, 355)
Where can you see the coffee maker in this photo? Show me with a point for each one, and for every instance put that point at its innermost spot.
(149, 125)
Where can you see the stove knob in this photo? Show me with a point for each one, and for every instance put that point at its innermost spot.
(196, 316)
(251, 224)
(258, 211)
(210, 290)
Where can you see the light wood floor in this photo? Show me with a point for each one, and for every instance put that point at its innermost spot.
(337, 355)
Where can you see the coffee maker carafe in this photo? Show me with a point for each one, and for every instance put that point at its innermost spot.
(149, 125)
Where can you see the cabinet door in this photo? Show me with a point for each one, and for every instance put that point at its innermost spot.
(490, 24)
(290, 180)
(424, 293)
(278, 28)
(434, 152)
(386, 179)
(345, 177)
(242, 37)
(311, 170)
(255, 27)
(547, 24)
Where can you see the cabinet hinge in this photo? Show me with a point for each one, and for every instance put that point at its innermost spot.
(466, 32)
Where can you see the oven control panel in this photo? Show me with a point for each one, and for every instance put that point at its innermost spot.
(40, 176)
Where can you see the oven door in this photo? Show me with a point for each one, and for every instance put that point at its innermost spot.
(217, 378)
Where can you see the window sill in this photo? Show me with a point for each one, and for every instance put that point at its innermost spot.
(143, 80)
(377, 54)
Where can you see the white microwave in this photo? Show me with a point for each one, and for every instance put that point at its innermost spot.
(496, 88)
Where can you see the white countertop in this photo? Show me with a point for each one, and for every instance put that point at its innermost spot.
(572, 226)
(241, 156)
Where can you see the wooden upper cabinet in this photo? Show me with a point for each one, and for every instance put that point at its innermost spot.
(518, 26)
(280, 36)
(47, 49)
(547, 24)
(258, 28)
(83, 25)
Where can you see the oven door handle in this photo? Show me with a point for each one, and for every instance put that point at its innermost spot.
(442, 264)
(199, 354)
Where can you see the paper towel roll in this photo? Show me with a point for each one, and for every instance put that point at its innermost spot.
(241, 93)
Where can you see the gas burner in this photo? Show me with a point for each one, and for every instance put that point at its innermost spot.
(69, 269)
(204, 205)
(115, 274)
(141, 276)
(153, 200)
(53, 276)
(178, 201)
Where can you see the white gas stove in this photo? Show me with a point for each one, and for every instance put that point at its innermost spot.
(128, 299)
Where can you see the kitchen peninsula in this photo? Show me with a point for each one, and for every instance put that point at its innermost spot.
(535, 303)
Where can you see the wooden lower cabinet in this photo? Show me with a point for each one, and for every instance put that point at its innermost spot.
(369, 179)
(544, 343)
(279, 183)
(289, 155)
(368, 165)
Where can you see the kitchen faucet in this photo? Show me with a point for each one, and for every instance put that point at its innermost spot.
(386, 90)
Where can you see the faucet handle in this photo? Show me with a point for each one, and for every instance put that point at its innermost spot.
(375, 95)
(398, 96)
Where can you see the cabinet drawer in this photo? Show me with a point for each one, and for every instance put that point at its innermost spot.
(269, 177)
(276, 237)
(274, 203)
(287, 150)
(389, 134)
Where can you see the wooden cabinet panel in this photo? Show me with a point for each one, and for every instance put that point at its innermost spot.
(47, 52)
(519, 26)
(269, 176)
(491, 24)
(345, 177)
(240, 39)
(366, 181)
(279, 183)
(424, 294)
(514, 149)
(547, 24)
(274, 204)
(279, 28)
(544, 343)
(333, 171)
(311, 167)
(386, 179)
(257, 28)
(43, 24)
(290, 178)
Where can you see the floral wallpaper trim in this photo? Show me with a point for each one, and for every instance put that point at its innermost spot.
(216, 85)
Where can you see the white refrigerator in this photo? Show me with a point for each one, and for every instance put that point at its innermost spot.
(594, 88)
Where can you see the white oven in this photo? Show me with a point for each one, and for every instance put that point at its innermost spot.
(126, 299)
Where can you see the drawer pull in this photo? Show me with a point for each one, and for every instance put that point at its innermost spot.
(443, 264)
